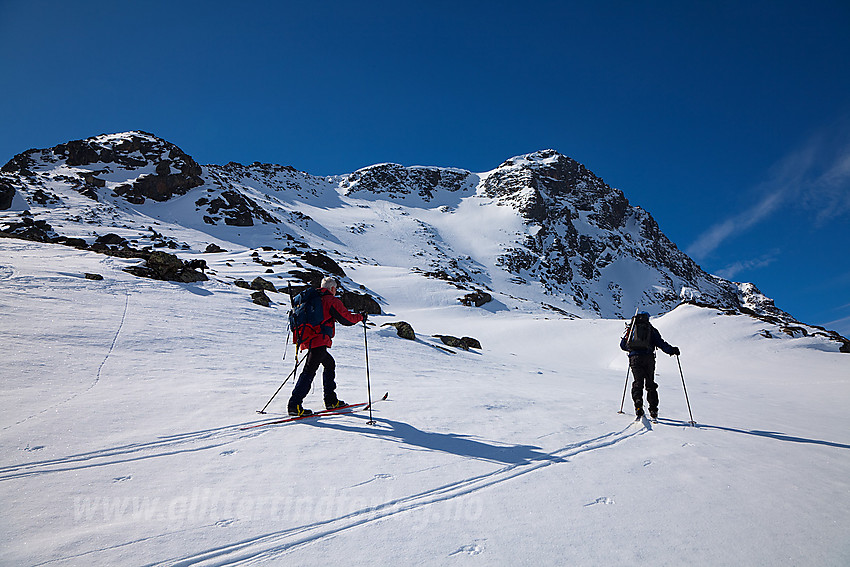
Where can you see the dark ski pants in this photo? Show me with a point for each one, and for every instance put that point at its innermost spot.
(643, 370)
(315, 357)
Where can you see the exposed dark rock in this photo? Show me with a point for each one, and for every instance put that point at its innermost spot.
(159, 187)
(165, 266)
(30, 229)
(197, 264)
(242, 283)
(92, 181)
(96, 277)
(79, 152)
(260, 284)
(403, 329)
(260, 298)
(237, 209)
(323, 262)
(41, 197)
(312, 278)
(111, 239)
(359, 303)
(7, 195)
(396, 181)
(21, 163)
(464, 343)
(73, 242)
(477, 299)
(214, 249)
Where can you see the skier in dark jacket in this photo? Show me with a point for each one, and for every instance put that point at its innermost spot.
(642, 363)
(317, 342)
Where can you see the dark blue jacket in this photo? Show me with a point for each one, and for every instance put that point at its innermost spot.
(657, 342)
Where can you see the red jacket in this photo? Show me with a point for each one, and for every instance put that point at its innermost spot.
(332, 311)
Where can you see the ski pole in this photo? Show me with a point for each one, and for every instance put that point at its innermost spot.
(368, 381)
(625, 386)
(295, 342)
(291, 374)
(692, 422)
(286, 344)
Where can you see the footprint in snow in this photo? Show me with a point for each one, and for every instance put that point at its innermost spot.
(122, 478)
(228, 452)
(226, 523)
(601, 500)
(380, 476)
(472, 549)
(36, 448)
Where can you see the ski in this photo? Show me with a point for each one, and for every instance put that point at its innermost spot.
(342, 409)
(349, 408)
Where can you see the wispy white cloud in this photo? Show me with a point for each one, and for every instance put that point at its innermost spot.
(815, 177)
(729, 272)
(829, 196)
(710, 240)
(842, 326)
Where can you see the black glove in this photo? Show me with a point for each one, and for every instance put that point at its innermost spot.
(676, 351)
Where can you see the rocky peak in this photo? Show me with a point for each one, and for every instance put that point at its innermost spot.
(132, 150)
(547, 184)
(398, 182)
(584, 235)
(155, 169)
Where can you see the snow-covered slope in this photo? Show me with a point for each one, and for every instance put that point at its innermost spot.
(124, 398)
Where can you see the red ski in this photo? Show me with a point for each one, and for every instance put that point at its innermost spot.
(350, 408)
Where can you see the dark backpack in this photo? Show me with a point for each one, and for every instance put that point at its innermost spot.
(640, 333)
(307, 313)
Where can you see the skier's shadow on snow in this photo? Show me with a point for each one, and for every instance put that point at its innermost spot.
(452, 443)
(769, 434)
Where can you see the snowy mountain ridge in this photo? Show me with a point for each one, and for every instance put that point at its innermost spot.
(540, 232)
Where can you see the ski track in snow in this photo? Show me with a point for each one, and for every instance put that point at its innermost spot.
(276, 544)
(273, 545)
(99, 368)
(163, 447)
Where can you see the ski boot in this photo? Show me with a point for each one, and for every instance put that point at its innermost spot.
(298, 410)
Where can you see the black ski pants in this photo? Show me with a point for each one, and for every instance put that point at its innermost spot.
(643, 371)
(315, 357)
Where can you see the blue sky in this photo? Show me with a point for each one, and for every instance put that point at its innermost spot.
(728, 121)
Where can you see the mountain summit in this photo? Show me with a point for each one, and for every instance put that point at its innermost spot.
(539, 230)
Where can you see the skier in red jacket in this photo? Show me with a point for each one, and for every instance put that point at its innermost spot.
(317, 342)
